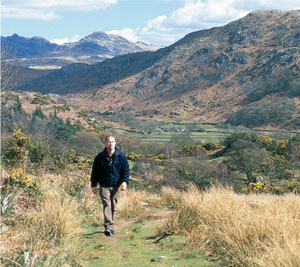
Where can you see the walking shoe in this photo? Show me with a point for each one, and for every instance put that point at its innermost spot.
(108, 231)
(112, 231)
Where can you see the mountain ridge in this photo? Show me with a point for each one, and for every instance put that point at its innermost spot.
(95, 47)
(204, 77)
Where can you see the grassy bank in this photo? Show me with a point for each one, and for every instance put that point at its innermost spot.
(240, 230)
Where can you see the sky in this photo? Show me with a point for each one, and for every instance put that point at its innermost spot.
(158, 22)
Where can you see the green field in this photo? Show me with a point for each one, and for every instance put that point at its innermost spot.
(201, 133)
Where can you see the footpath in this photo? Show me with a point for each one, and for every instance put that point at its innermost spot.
(137, 244)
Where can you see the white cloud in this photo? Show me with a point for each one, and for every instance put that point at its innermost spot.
(204, 14)
(61, 41)
(47, 9)
(128, 33)
(25, 13)
(73, 4)
(196, 15)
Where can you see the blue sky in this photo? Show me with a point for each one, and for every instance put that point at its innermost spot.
(159, 22)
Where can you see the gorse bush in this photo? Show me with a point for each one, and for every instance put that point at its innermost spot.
(18, 180)
(192, 150)
(260, 187)
(16, 149)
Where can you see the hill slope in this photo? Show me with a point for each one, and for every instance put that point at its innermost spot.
(203, 77)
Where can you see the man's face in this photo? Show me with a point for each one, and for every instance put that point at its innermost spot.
(110, 143)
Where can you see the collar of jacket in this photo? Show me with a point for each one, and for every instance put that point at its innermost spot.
(116, 153)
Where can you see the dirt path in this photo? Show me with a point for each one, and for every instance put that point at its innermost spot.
(134, 244)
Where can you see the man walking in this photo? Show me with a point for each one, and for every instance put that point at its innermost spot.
(111, 171)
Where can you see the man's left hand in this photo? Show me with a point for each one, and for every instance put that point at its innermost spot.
(123, 186)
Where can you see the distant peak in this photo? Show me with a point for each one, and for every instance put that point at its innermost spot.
(98, 35)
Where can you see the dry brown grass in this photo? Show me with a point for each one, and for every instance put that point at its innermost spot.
(50, 232)
(130, 204)
(259, 230)
(171, 197)
(91, 206)
(57, 221)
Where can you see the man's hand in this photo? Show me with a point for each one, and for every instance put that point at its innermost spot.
(123, 186)
(94, 189)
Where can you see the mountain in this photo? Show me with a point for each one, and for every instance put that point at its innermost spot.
(207, 76)
(38, 52)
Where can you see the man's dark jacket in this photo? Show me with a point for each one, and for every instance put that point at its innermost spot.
(110, 171)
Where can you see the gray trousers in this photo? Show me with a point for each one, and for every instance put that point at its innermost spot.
(109, 197)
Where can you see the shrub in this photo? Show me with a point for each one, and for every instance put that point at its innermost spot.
(18, 180)
(194, 171)
(211, 146)
(192, 150)
(16, 149)
(266, 140)
(86, 142)
(248, 136)
(133, 156)
(38, 154)
(294, 186)
(40, 99)
(257, 187)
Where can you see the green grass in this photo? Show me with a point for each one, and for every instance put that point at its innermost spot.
(211, 133)
(136, 245)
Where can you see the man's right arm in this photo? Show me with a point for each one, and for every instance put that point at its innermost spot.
(94, 176)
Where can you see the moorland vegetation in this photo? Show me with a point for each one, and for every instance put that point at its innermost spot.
(235, 201)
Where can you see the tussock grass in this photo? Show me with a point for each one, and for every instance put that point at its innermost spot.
(171, 197)
(130, 204)
(57, 220)
(260, 230)
(91, 207)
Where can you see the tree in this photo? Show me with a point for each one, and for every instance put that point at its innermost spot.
(38, 154)
(182, 138)
(294, 156)
(275, 167)
(194, 170)
(247, 157)
(8, 70)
